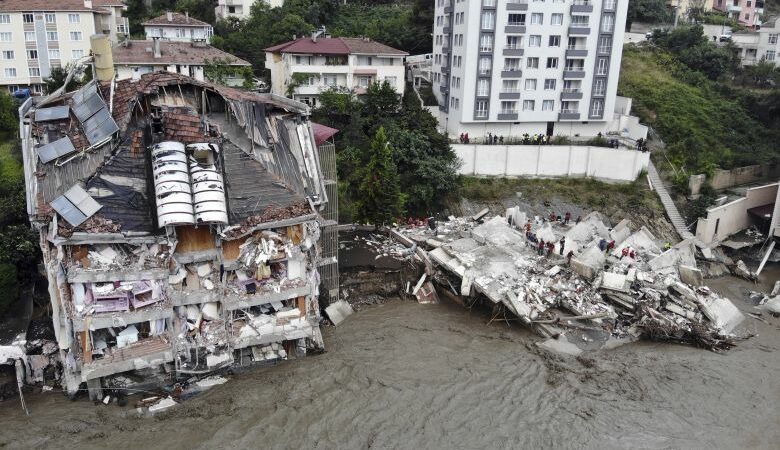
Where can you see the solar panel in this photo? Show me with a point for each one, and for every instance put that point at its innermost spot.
(54, 113)
(99, 127)
(84, 92)
(91, 104)
(75, 205)
(56, 149)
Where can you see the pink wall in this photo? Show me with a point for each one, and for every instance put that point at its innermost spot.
(747, 14)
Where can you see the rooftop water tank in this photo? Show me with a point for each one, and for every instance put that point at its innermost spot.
(172, 185)
(208, 188)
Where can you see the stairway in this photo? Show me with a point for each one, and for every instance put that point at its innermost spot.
(671, 208)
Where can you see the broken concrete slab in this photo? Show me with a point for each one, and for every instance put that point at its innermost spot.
(721, 312)
(162, 405)
(338, 311)
(682, 253)
(741, 270)
(589, 263)
(560, 345)
(691, 275)
(615, 281)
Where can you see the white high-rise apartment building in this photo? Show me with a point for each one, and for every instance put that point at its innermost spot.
(511, 67)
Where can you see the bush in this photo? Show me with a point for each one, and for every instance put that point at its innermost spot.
(9, 286)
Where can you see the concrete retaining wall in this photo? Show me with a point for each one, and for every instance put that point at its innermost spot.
(551, 161)
(723, 221)
(724, 179)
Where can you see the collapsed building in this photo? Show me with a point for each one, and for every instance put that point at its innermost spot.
(181, 227)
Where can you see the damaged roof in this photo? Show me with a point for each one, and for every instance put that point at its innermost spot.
(172, 52)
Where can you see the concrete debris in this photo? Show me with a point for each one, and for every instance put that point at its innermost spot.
(338, 311)
(775, 289)
(691, 275)
(162, 405)
(741, 270)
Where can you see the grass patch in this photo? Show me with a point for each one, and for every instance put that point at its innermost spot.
(10, 166)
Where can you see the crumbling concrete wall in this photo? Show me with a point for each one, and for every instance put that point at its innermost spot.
(724, 179)
(723, 221)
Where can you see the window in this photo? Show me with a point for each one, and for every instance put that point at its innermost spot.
(459, 59)
(554, 41)
(599, 86)
(76, 54)
(548, 105)
(511, 63)
(748, 4)
(597, 107)
(303, 60)
(8, 54)
(75, 35)
(10, 72)
(516, 19)
(770, 55)
(486, 43)
(50, 18)
(362, 60)
(514, 42)
(605, 44)
(549, 84)
(483, 88)
(610, 4)
(27, 18)
(364, 81)
(532, 63)
(54, 53)
(488, 20)
(607, 23)
(528, 105)
(772, 38)
(180, 32)
(530, 84)
(52, 36)
(535, 41)
(390, 80)
(329, 79)
(5, 18)
(552, 63)
(509, 86)
(508, 107)
(29, 36)
(6, 36)
(34, 72)
(32, 54)
(484, 65)
(747, 17)
(74, 18)
(481, 109)
(537, 18)
(579, 21)
(556, 19)
(601, 66)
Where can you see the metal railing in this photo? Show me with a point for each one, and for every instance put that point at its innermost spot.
(511, 90)
(509, 111)
(570, 111)
(576, 47)
(571, 90)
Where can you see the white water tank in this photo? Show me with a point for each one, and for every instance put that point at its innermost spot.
(172, 184)
(208, 188)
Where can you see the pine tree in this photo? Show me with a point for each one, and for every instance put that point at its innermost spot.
(380, 199)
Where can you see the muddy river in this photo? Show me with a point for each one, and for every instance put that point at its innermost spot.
(403, 375)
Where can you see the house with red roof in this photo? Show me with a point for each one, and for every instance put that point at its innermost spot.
(305, 67)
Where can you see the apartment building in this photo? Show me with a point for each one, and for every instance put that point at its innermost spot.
(240, 9)
(305, 67)
(761, 45)
(173, 26)
(37, 36)
(747, 12)
(521, 66)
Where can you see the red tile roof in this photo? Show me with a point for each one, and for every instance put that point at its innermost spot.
(322, 132)
(335, 46)
(172, 52)
(178, 19)
(43, 5)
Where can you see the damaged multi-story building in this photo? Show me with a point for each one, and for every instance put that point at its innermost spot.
(181, 225)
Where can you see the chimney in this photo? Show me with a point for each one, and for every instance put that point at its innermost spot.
(169, 15)
(103, 57)
(88, 4)
(156, 47)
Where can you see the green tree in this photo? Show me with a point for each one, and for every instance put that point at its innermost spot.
(379, 196)
(199, 9)
(650, 11)
(57, 78)
(9, 120)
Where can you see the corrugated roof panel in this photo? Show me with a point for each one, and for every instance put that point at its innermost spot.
(56, 149)
(54, 113)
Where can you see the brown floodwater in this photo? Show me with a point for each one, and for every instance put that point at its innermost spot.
(403, 375)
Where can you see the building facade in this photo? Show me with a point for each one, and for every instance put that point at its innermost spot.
(240, 9)
(305, 67)
(173, 26)
(761, 45)
(746, 12)
(518, 66)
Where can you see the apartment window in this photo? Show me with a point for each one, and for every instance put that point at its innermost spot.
(34, 71)
(483, 88)
(303, 60)
(488, 2)
(535, 41)
(180, 33)
(74, 18)
(599, 86)
(579, 21)
(772, 38)
(488, 20)
(29, 36)
(484, 65)
(27, 18)
(509, 86)
(605, 44)
(554, 41)
(607, 23)
(770, 55)
(486, 43)
(514, 42)
(10, 72)
(52, 36)
(552, 63)
(548, 105)
(50, 18)
(329, 79)
(8, 54)
(5, 18)
(54, 53)
(32, 54)
(75, 35)
(459, 59)
(6, 36)
(530, 84)
(511, 63)
(364, 81)
(508, 107)
(537, 19)
(601, 66)
(549, 84)
(77, 54)
(610, 4)
(460, 40)
(529, 105)
(481, 109)
(532, 63)
(747, 17)
(516, 19)
(362, 60)
(556, 19)
(597, 107)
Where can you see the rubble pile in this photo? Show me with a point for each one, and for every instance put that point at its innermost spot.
(94, 224)
(613, 279)
(270, 214)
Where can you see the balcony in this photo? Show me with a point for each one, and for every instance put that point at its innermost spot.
(484, 72)
(444, 88)
(481, 115)
(571, 94)
(507, 115)
(445, 50)
(446, 30)
(513, 51)
(509, 94)
(445, 68)
(581, 6)
(486, 49)
(569, 114)
(483, 94)
(447, 9)
(599, 93)
(516, 27)
(488, 4)
(579, 30)
(574, 51)
(574, 73)
(735, 8)
(517, 5)
(511, 72)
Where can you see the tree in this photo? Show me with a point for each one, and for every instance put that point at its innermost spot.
(650, 11)
(379, 195)
(57, 78)
(199, 9)
(9, 122)
(219, 70)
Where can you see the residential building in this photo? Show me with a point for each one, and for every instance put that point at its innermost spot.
(761, 45)
(518, 66)
(37, 36)
(746, 12)
(112, 21)
(307, 66)
(240, 9)
(180, 227)
(135, 58)
(173, 26)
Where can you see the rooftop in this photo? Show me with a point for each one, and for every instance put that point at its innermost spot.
(43, 5)
(178, 19)
(172, 52)
(336, 46)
